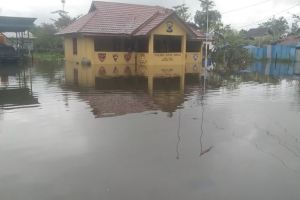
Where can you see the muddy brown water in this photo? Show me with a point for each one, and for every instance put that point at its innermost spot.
(238, 140)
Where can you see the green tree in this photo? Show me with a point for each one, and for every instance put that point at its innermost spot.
(183, 12)
(229, 48)
(63, 21)
(243, 33)
(295, 29)
(214, 16)
(45, 39)
(207, 4)
(277, 26)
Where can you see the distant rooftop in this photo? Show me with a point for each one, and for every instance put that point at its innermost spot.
(15, 24)
(257, 32)
(293, 40)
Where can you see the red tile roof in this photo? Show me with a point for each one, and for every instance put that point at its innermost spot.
(200, 34)
(111, 18)
(114, 104)
(153, 22)
(78, 25)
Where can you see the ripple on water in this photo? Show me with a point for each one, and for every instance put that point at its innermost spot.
(245, 126)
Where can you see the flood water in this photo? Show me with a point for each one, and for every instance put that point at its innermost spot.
(240, 139)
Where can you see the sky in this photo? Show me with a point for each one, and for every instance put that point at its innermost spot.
(241, 14)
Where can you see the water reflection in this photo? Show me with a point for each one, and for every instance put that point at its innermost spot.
(277, 74)
(124, 95)
(275, 68)
(16, 87)
(92, 138)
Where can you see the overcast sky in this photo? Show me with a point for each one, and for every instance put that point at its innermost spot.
(243, 18)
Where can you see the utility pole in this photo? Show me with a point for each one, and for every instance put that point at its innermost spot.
(206, 46)
(63, 4)
(206, 2)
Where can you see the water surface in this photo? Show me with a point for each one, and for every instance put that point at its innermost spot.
(240, 139)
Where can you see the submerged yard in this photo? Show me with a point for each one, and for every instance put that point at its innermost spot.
(238, 140)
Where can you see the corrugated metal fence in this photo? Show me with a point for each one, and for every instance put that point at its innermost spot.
(275, 69)
(274, 52)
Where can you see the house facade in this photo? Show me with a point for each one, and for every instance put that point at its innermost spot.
(118, 39)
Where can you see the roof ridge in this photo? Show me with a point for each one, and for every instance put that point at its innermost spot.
(93, 13)
(151, 19)
(176, 18)
(114, 2)
(145, 23)
(185, 24)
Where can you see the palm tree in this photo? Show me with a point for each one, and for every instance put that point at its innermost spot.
(207, 4)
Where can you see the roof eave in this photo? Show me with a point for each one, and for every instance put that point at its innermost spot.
(186, 26)
(171, 14)
(148, 21)
(197, 39)
(94, 34)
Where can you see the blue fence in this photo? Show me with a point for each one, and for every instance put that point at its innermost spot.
(278, 52)
(275, 69)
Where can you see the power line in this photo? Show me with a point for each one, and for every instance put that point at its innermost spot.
(245, 7)
(259, 21)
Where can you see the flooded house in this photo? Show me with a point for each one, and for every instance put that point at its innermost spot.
(118, 39)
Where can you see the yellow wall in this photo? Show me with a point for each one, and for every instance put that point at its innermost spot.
(85, 48)
(161, 64)
(114, 63)
(193, 63)
(177, 29)
(114, 70)
(113, 58)
(86, 75)
(165, 64)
